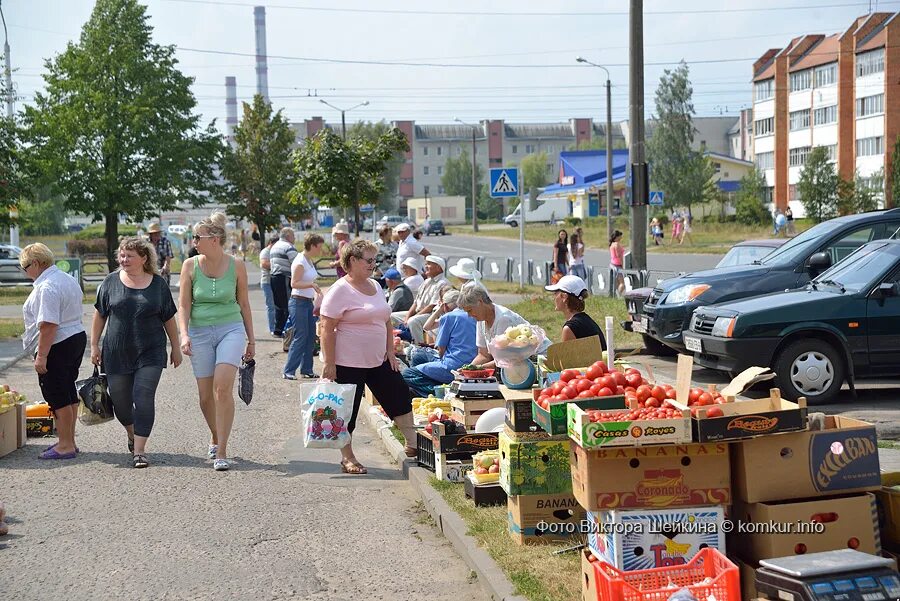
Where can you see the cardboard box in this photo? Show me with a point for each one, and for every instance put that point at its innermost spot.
(543, 518)
(748, 419)
(840, 459)
(451, 470)
(651, 477)
(554, 420)
(470, 442)
(535, 468)
(811, 526)
(641, 539)
(573, 353)
(519, 417)
(626, 433)
(468, 411)
(9, 430)
(889, 507)
(22, 432)
(589, 590)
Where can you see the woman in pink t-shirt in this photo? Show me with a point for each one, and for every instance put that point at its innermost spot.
(358, 344)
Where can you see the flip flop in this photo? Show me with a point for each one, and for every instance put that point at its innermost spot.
(53, 446)
(351, 467)
(54, 454)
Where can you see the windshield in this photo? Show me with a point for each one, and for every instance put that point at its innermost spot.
(802, 244)
(744, 255)
(860, 268)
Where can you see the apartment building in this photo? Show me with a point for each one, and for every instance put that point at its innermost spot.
(839, 91)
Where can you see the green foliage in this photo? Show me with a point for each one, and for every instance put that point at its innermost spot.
(457, 178)
(98, 230)
(42, 214)
(749, 205)
(683, 174)
(387, 200)
(114, 130)
(12, 168)
(859, 195)
(535, 173)
(818, 186)
(258, 169)
(343, 173)
(489, 209)
(598, 143)
(572, 221)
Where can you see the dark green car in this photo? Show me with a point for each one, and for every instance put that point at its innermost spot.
(844, 325)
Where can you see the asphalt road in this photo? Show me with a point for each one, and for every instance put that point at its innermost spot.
(284, 523)
(498, 249)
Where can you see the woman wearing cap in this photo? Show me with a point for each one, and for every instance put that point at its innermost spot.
(53, 332)
(493, 320)
(411, 276)
(358, 345)
(303, 295)
(464, 271)
(341, 235)
(569, 300)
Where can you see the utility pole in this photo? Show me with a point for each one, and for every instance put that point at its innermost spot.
(639, 173)
(474, 197)
(10, 95)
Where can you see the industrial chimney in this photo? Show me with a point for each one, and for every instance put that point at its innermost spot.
(262, 70)
(231, 116)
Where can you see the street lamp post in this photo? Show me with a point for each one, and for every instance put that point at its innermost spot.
(609, 161)
(474, 197)
(7, 76)
(358, 224)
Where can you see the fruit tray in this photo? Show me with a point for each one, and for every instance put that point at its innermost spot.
(476, 373)
(553, 420)
(737, 420)
(626, 427)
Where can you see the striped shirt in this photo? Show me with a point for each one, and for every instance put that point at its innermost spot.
(281, 256)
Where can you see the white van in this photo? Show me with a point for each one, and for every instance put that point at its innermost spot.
(547, 211)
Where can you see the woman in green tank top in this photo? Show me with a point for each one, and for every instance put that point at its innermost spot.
(217, 328)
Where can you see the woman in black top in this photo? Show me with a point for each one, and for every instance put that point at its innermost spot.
(561, 253)
(569, 300)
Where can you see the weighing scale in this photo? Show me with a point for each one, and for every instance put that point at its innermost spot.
(475, 388)
(843, 575)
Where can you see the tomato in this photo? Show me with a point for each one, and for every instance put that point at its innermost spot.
(705, 399)
(569, 374)
(658, 392)
(585, 394)
(715, 412)
(604, 392)
(595, 371)
(694, 395)
(670, 394)
(720, 400)
(643, 393)
(570, 391)
(619, 377)
(544, 404)
(620, 390)
(633, 380)
(632, 370)
(652, 402)
(583, 384)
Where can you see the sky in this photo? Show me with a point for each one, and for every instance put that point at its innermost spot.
(504, 59)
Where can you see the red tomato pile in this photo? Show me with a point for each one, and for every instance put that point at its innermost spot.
(666, 411)
(595, 382)
(697, 397)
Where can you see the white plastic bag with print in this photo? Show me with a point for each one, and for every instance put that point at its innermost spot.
(326, 408)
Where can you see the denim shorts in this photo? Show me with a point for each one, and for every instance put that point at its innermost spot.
(212, 345)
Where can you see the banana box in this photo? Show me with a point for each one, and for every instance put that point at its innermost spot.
(642, 539)
(535, 467)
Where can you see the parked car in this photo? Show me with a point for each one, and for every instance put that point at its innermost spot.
(671, 304)
(433, 226)
(394, 220)
(10, 273)
(742, 253)
(546, 211)
(843, 325)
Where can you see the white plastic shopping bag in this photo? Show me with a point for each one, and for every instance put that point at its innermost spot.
(326, 408)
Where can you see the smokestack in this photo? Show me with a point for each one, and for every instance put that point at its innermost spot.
(262, 69)
(231, 118)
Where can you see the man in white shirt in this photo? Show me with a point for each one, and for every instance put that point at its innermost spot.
(428, 297)
(409, 247)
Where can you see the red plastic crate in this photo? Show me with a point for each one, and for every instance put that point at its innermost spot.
(653, 584)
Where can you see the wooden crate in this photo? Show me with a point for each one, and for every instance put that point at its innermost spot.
(468, 411)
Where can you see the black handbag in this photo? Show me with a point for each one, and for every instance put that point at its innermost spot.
(94, 395)
(245, 380)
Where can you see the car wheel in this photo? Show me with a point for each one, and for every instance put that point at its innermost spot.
(810, 368)
(657, 348)
(513, 224)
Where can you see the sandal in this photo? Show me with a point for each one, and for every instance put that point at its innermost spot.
(352, 467)
(411, 451)
(139, 461)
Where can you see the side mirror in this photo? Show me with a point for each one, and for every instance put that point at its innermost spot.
(886, 289)
(819, 262)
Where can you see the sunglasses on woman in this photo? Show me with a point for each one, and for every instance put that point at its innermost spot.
(368, 261)
(198, 236)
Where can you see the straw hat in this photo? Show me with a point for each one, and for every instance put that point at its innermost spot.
(340, 228)
(154, 228)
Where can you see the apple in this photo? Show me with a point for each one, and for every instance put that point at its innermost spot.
(494, 469)
(480, 470)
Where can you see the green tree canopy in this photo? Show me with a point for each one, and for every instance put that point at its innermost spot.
(818, 186)
(895, 174)
(12, 167)
(343, 173)
(598, 143)
(749, 205)
(114, 131)
(387, 199)
(43, 213)
(457, 178)
(535, 173)
(259, 170)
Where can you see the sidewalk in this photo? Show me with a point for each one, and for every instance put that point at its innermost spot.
(285, 523)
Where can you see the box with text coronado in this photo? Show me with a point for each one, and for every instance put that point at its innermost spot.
(839, 459)
(652, 477)
(640, 539)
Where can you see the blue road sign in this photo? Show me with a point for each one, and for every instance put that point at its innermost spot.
(656, 198)
(504, 182)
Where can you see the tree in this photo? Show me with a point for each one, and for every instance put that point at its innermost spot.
(598, 143)
(895, 173)
(750, 206)
(675, 168)
(259, 171)
(12, 167)
(818, 186)
(869, 191)
(387, 200)
(114, 131)
(341, 173)
(42, 214)
(535, 173)
(457, 178)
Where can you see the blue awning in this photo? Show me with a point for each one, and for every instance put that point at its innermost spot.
(581, 169)
(726, 186)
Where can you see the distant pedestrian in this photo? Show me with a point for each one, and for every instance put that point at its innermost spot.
(304, 290)
(687, 221)
(136, 304)
(215, 318)
(780, 222)
(617, 261)
(56, 339)
(560, 258)
(789, 217)
(163, 249)
(281, 255)
(677, 224)
(656, 231)
(358, 346)
(265, 282)
(341, 236)
(577, 261)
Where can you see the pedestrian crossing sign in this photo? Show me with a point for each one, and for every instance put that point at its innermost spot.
(504, 182)
(656, 198)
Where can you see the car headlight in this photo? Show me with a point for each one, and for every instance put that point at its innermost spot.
(686, 293)
(724, 326)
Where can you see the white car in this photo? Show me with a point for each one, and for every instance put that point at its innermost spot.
(10, 272)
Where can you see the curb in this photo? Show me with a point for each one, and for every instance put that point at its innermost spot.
(13, 361)
(492, 579)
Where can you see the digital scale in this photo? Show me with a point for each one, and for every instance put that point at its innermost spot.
(843, 575)
(475, 388)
